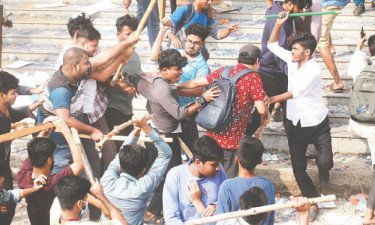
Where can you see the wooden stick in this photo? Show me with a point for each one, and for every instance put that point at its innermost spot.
(85, 161)
(255, 211)
(260, 132)
(162, 9)
(15, 125)
(136, 34)
(185, 148)
(26, 131)
(305, 14)
(123, 138)
(116, 130)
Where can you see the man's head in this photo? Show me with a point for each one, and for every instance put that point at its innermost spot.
(254, 197)
(125, 26)
(303, 46)
(88, 39)
(40, 151)
(170, 64)
(207, 154)
(196, 34)
(133, 160)
(250, 55)
(250, 152)
(203, 4)
(371, 45)
(76, 63)
(296, 6)
(77, 23)
(8, 88)
(72, 193)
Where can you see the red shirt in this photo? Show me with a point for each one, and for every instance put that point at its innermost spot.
(249, 90)
(39, 203)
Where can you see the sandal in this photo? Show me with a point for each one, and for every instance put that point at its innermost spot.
(155, 220)
(329, 88)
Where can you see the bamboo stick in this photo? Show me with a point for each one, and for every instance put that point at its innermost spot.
(136, 34)
(123, 138)
(162, 9)
(185, 148)
(305, 14)
(116, 130)
(254, 211)
(26, 131)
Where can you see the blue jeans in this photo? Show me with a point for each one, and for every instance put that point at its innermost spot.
(152, 22)
(360, 2)
(63, 158)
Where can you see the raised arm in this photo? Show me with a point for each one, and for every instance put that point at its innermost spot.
(156, 48)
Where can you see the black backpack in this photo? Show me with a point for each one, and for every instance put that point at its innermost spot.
(215, 115)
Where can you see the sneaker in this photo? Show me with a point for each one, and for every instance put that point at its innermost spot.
(373, 4)
(359, 9)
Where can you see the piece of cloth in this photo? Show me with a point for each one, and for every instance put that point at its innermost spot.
(271, 65)
(100, 105)
(327, 23)
(231, 190)
(306, 106)
(177, 18)
(60, 93)
(39, 203)
(126, 192)
(117, 98)
(56, 211)
(299, 138)
(152, 22)
(177, 207)
(229, 163)
(114, 118)
(326, 3)
(249, 90)
(195, 68)
(162, 100)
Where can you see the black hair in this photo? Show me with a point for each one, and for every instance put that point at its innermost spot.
(7, 82)
(371, 44)
(250, 151)
(78, 22)
(133, 159)
(207, 149)
(88, 32)
(197, 29)
(70, 189)
(301, 4)
(307, 41)
(39, 150)
(127, 20)
(171, 57)
(254, 197)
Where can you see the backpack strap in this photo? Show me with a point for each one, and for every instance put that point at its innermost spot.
(225, 72)
(242, 73)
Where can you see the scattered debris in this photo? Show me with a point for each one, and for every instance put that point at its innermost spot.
(354, 199)
(18, 64)
(100, 6)
(51, 5)
(239, 33)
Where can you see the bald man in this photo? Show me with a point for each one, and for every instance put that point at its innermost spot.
(63, 98)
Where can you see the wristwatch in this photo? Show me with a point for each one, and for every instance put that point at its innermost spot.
(201, 101)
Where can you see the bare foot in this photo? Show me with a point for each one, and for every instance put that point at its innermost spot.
(339, 85)
(369, 217)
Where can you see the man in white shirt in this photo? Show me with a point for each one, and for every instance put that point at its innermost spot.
(306, 111)
(365, 129)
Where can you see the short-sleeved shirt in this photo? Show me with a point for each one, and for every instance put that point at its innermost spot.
(195, 68)
(249, 90)
(60, 93)
(231, 190)
(39, 203)
(117, 98)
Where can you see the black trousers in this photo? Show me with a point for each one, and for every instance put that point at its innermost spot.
(114, 118)
(156, 203)
(7, 213)
(299, 139)
(229, 163)
(189, 129)
(272, 85)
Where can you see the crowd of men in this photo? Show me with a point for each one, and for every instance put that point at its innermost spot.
(149, 184)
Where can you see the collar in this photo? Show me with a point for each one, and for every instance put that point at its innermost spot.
(128, 176)
(242, 66)
(197, 59)
(68, 220)
(65, 79)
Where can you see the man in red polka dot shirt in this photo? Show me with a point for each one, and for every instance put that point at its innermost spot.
(249, 92)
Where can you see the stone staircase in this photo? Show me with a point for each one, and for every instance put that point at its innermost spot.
(38, 35)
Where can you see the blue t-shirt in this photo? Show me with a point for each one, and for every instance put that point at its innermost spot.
(195, 68)
(180, 12)
(231, 190)
(334, 2)
(177, 207)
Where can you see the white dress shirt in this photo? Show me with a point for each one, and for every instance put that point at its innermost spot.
(307, 105)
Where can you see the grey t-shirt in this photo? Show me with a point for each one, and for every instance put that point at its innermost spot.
(119, 100)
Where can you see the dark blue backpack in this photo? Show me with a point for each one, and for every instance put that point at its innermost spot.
(215, 115)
